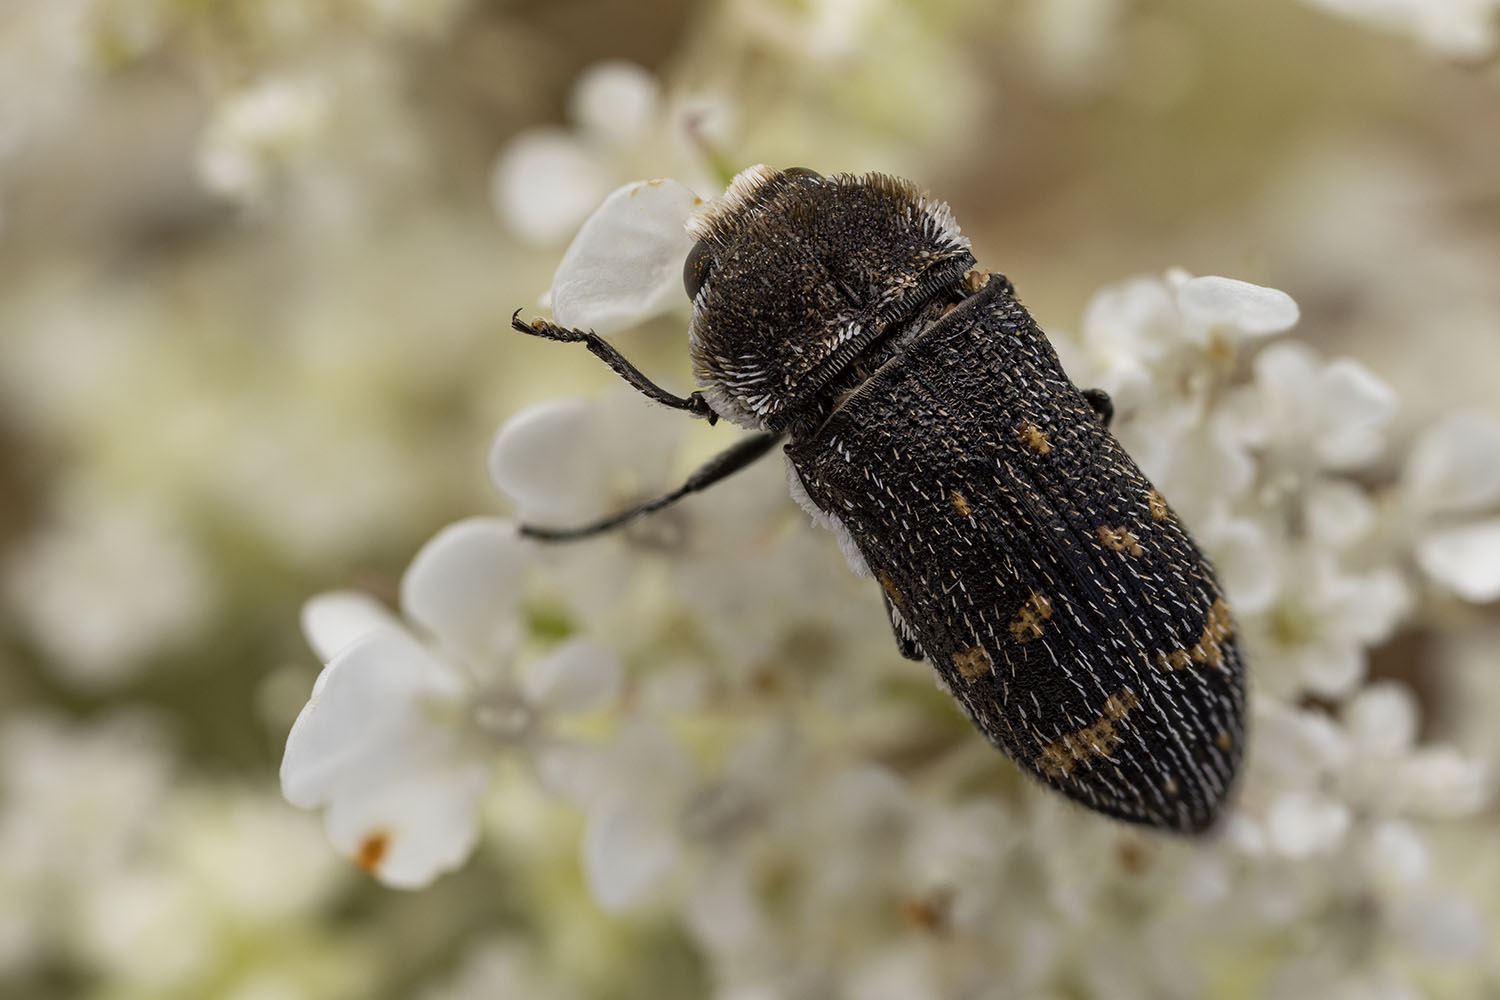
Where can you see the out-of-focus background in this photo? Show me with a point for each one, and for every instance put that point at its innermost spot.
(257, 264)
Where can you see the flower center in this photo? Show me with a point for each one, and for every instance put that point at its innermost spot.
(503, 716)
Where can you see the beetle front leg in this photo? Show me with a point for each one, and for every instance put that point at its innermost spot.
(693, 403)
(721, 466)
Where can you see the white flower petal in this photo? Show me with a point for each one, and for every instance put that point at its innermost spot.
(1357, 405)
(544, 184)
(1213, 301)
(625, 264)
(1455, 465)
(1396, 854)
(722, 908)
(576, 772)
(1382, 719)
(1440, 781)
(464, 584)
(1294, 746)
(544, 459)
(1303, 824)
(1338, 513)
(333, 620)
(1329, 667)
(1247, 564)
(373, 708)
(412, 825)
(1446, 928)
(1366, 606)
(628, 849)
(1133, 319)
(577, 676)
(1466, 560)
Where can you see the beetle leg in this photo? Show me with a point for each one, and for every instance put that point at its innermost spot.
(694, 403)
(726, 463)
(1102, 404)
(909, 647)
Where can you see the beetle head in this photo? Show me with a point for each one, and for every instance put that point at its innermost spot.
(795, 275)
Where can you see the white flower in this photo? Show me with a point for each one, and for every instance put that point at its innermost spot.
(615, 99)
(1310, 774)
(399, 738)
(549, 178)
(1454, 466)
(1147, 332)
(229, 876)
(501, 967)
(1304, 414)
(544, 183)
(256, 130)
(75, 804)
(77, 585)
(1458, 28)
(1314, 636)
(1453, 471)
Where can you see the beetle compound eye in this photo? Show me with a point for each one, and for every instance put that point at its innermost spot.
(695, 271)
(806, 172)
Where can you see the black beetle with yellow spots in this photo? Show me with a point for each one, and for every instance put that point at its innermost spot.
(927, 422)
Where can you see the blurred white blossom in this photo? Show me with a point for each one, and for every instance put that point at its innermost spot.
(255, 131)
(112, 583)
(160, 887)
(502, 968)
(548, 179)
(1462, 29)
(401, 735)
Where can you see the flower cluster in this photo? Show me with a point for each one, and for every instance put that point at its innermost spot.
(771, 771)
(258, 256)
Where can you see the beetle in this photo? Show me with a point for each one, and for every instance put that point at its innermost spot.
(926, 421)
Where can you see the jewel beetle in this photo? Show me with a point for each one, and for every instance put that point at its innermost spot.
(926, 421)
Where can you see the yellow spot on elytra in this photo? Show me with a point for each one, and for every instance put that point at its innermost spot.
(1119, 539)
(1208, 651)
(972, 662)
(1027, 624)
(371, 850)
(889, 586)
(1223, 740)
(1035, 439)
(976, 278)
(1171, 787)
(960, 503)
(1157, 504)
(1099, 739)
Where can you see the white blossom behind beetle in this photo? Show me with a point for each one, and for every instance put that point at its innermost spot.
(549, 179)
(405, 723)
(1453, 473)
(1463, 29)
